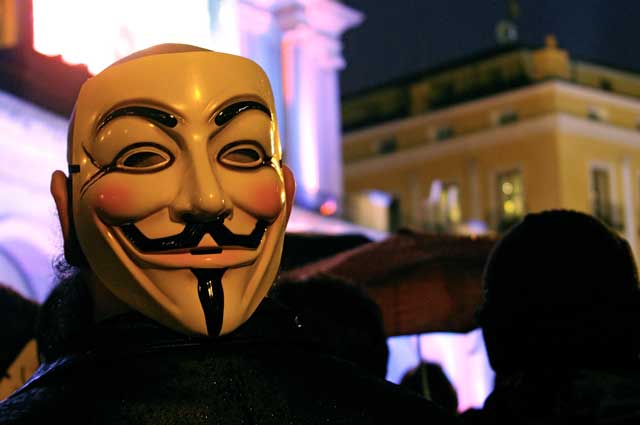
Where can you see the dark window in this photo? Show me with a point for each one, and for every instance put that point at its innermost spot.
(386, 146)
(444, 133)
(605, 84)
(507, 117)
(595, 113)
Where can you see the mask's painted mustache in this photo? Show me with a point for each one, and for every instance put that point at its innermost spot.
(191, 236)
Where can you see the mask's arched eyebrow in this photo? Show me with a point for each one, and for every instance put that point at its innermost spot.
(152, 114)
(233, 110)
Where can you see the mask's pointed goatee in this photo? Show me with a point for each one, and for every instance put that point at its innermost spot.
(211, 297)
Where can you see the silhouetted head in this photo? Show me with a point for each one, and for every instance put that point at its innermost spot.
(560, 289)
(352, 319)
(438, 387)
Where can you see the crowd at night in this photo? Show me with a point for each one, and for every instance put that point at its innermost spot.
(319, 212)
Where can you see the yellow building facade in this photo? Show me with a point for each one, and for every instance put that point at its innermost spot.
(474, 146)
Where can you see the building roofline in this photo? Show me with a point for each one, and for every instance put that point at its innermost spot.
(475, 58)
(489, 102)
(448, 65)
(608, 66)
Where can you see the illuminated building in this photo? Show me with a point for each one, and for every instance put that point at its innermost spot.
(474, 145)
(296, 42)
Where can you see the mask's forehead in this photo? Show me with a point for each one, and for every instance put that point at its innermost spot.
(190, 84)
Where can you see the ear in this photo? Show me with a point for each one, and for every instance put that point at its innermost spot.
(60, 187)
(289, 188)
(60, 195)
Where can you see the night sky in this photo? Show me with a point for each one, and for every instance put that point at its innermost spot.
(401, 37)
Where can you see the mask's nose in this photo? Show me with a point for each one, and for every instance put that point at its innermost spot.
(201, 198)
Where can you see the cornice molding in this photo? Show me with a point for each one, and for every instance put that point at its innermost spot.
(558, 123)
(493, 102)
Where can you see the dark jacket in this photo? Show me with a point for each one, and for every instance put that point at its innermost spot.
(554, 397)
(272, 370)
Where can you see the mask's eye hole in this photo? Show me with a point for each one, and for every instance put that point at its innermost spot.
(242, 155)
(143, 158)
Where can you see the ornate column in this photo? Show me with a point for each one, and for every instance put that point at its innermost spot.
(260, 39)
(297, 42)
(311, 60)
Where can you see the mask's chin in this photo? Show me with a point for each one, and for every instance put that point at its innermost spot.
(194, 290)
(210, 301)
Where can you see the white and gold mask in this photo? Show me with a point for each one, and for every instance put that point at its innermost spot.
(179, 197)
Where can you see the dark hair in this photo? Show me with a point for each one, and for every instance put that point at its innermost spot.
(352, 317)
(560, 287)
(66, 315)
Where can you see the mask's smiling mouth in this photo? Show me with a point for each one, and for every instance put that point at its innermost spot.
(190, 237)
(206, 250)
(205, 245)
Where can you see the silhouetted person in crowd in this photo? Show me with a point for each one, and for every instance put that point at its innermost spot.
(429, 380)
(560, 320)
(33, 333)
(18, 355)
(350, 320)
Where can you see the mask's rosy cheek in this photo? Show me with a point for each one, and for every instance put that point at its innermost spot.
(113, 202)
(262, 199)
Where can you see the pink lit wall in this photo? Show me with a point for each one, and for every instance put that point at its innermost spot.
(32, 146)
(462, 357)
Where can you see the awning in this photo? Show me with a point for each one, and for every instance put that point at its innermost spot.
(422, 282)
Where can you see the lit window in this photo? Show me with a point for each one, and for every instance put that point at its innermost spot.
(443, 206)
(374, 209)
(450, 203)
(510, 198)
